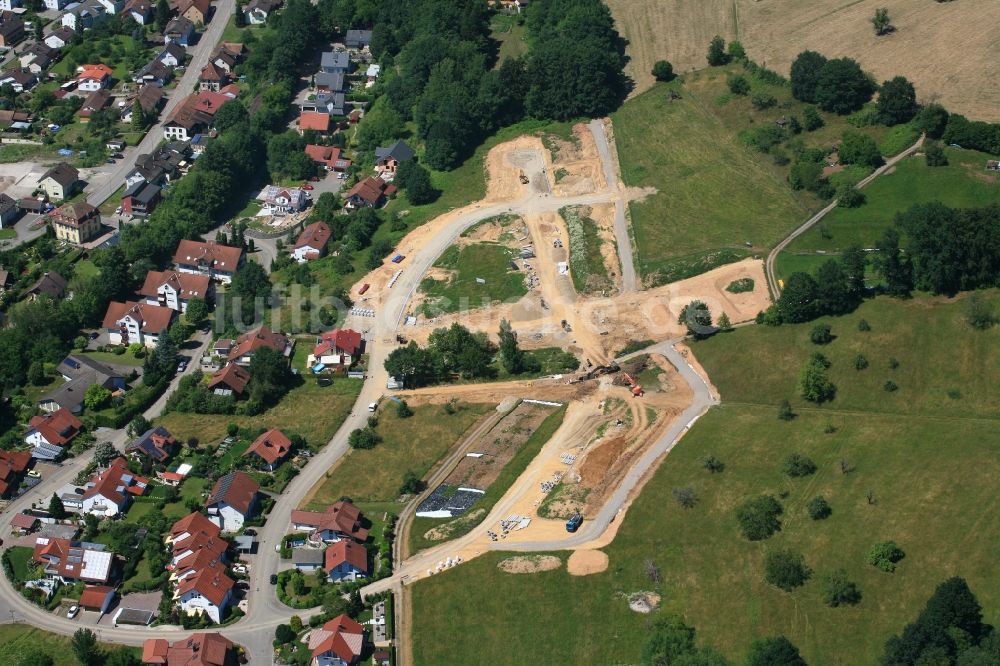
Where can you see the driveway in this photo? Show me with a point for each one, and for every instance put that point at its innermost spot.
(25, 230)
(147, 601)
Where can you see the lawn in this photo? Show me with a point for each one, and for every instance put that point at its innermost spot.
(413, 444)
(712, 194)
(490, 262)
(114, 359)
(963, 183)
(21, 562)
(8, 234)
(313, 411)
(929, 461)
(19, 640)
(510, 34)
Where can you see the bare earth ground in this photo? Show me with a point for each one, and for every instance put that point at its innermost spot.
(586, 562)
(947, 49)
(529, 564)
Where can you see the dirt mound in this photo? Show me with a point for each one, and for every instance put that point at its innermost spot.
(644, 602)
(586, 562)
(529, 564)
(442, 532)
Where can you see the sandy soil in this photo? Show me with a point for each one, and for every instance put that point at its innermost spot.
(529, 564)
(644, 602)
(775, 31)
(586, 562)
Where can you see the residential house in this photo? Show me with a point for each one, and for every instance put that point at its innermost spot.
(230, 380)
(200, 649)
(142, 11)
(339, 642)
(11, 26)
(340, 521)
(97, 598)
(233, 501)
(162, 166)
(317, 122)
(95, 102)
(13, 465)
(137, 322)
(38, 57)
(154, 72)
(23, 523)
(93, 77)
(194, 115)
(109, 493)
(76, 223)
(346, 560)
(272, 447)
(388, 159)
(372, 74)
(370, 192)
(72, 561)
(226, 56)
(141, 199)
(194, 544)
(329, 103)
(156, 444)
(329, 82)
(247, 344)
(179, 30)
(50, 284)
(113, 7)
(10, 213)
(172, 55)
(358, 40)
(195, 11)
(208, 592)
(56, 5)
(85, 15)
(335, 61)
(311, 243)
(19, 79)
(51, 433)
(149, 98)
(8, 5)
(174, 290)
(308, 559)
(60, 182)
(329, 156)
(10, 119)
(80, 373)
(257, 11)
(59, 37)
(210, 258)
(282, 200)
(336, 349)
(212, 78)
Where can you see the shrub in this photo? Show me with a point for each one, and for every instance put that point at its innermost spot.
(764, 138)
(816, 386)
(712, 464)
(740, 286)
(758, 518)
(797, 465)
(864, 326)
(663, 71)
(763, 100)
(860, 362)
(821, 334)
(819, 508)
(979, 312)
(403, 410)
(884, 555)
(849, 196)
(893, 363)
(811, 119)
(686, 497)
(838, 590)
(890, 386)
(738, 84)
(363, 438)
(411, 484)
(785, 412)
(785, 569)
(934, 155)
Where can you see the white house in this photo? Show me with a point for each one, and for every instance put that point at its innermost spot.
(233, 501)
(94, 77)
(174, 290)
(282, 200)
(210, 591)
(56, 5)
(48, 434)
(311, 243)
(172, 55)
(137, 322)
(110, 492)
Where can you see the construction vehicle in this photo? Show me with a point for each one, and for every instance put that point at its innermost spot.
(573, 524)
(594, 373)
(565, 326)
(636, 388)
(522, 177)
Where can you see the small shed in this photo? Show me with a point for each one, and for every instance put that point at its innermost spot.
(97, 598)
(22, 523)
(244, 543)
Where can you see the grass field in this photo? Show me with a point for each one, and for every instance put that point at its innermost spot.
(412, 444)
(586, 263)
(510, 35)
(774, 33)
(930, 462)
(18, 641)
(713, 195)
(462, 290)
(963, 183)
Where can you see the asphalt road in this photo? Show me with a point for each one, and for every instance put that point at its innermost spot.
(772, 257)
(185, 85)
(622, 238)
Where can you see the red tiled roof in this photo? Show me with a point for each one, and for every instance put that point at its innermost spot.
(235, 489)
(315, 235)
(70, 559)
(327, 155)
(23, 521)
(348, 551)
(343, 341)
(342, 636)
(271, 446)
(74, 215)
(232, 376)
(98, 72)
(115, 482)
(193, 523)
(93, 596)
(154, 319)
(370, 190)
(314, 120)
(154, 651)
(58, 428)
(211, 583)
(188, 285)
(256, 339)
(342, 517)
(208, 253)
(211, 73)
(201, 649)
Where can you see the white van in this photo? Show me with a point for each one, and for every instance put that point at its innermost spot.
(373, 406)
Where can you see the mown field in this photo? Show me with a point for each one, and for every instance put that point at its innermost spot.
(462, 290)
(24, 644)
(928, 461)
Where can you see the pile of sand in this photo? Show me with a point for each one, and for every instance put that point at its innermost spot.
(529, 564)
(586, 562)
(644, 602)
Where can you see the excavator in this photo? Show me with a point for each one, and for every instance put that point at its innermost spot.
(522, 177)
(637, 390)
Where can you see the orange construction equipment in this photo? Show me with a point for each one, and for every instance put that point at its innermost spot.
(636, 388)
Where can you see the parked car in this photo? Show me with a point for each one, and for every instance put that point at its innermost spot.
(34, 473)
(315, 179)
(182, 366)
(274, 579)
(306, 186)
(250, 532)
(73, 610)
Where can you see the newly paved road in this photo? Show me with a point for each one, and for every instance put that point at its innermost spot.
(772, 257)
(185, 86)
(624, 242)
